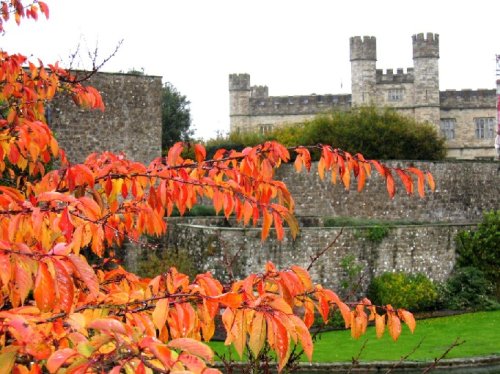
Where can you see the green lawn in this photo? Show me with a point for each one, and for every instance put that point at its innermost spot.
(481, 332)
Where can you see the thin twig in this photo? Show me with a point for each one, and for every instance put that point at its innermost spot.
(456, 343)
(403, 358)
(322, 252)
(355, 360)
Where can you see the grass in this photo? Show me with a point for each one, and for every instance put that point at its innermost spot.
(480, 331)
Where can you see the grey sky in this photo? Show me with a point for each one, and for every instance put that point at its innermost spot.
(294, 47)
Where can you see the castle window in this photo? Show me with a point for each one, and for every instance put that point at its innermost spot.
(485, 127)
(447, 126)
(395, 95)
(264, 129)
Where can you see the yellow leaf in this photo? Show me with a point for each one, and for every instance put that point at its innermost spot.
(257, 334)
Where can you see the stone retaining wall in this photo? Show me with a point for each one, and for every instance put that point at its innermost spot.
(428, 249)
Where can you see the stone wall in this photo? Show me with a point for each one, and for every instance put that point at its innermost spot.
(428, 249)
(131, 122)
(464, 190)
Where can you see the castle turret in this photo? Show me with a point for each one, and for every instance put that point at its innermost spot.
(426, 73)
(239, 101)
(363, 69)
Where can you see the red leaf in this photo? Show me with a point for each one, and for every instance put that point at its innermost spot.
(65, 225)
(200, 152)
(65, 287)
(44, 8)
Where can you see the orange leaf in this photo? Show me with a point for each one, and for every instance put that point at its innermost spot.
(23, 280)
(65, 286)
(394, 325)
(230, 299)
(5, 268)
(408, 318)
(267, 220)
(164, 354)
(391, 188)
(108, 325)
(58, 358)
(430, 181)
(282, 342)
(44, 292)
(86, 273)
(361, 179)
(160, 313)
(379, 325)
(321, 168)
(303, 335)
(193, 347)
(174, 153)
(303, 275)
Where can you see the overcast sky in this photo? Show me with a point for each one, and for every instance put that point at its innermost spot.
(293, 47)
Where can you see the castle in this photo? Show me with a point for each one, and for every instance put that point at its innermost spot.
(466, 118)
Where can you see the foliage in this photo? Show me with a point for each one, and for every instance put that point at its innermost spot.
(235, 140)
(356, 221)
(375, 233)
(413, 292)
(350, 277)
(480, 248)
(376, 133)
(60, 314)
(467, 289)
(175, 118)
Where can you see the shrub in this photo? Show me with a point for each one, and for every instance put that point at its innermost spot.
(481, 248)
(467, 289)
(413, 292)
(376, 133)
(377, 233)
(235, 140)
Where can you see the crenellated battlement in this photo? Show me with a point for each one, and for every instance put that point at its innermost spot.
(260, 91)
(239, 82)
(399, 77)
(293, 105)
(425, 46)
(467, 99)
(363, 48)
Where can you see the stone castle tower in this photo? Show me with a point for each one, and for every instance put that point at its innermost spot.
(416, 92)
(466, 118)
